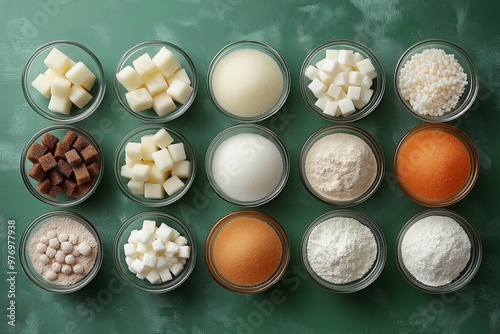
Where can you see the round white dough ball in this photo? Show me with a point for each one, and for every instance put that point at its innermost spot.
(75, 252)
(43, 239)
(56, 267)
(50, 252)
(66, 269)
(78, 269)
(69, 259)
(73, 238)
(63, 237)
(51, 234)
(67, 247)
(50, 275)
(60, 256)
(44, 259)
(54, 243)
(41, 248)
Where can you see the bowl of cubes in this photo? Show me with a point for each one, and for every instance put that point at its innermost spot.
(155, 81)
(63, 81)
(154, 165)
(436, 80)
(62, 165)
(154, 252)
(342, 80)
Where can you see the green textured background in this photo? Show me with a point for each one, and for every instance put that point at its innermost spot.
(296, 304)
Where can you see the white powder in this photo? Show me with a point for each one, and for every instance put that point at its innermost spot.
(341, 250)
(247, 167)
(247, 83)
(435, 250)
(340, 167)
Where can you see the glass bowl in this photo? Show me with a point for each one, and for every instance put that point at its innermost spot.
(226, 107)
(370, 276)
(319, 53)
(239, 155)
(135, 223)
(471, 89)
(211, 261)
(35, 66)
(66, 193)
(467, 273)
(135, 136)
(152, 48)
(31, 270)
(420, 159)
(335, 199)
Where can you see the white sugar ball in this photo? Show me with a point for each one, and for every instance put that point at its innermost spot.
(54, 243)
(41, 248)
(69, 259)
(50, 252)
(56, 267)
(66, 269)
(78, 269)
(44, 239)
(63, 237)
(73, 239)
(44, 259)
(50, 275)
(51, 234)
(60, 256)
(67, 247)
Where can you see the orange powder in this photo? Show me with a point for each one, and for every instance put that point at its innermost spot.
(433, 165)
(247, 251)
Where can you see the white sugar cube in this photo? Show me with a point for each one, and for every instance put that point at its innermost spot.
(89, 83)
(317, 87)
(153, 277)
(163, 104)
(51, 74)
(84, 248)
(154, 190)
(319, 64)
(165, 275)
(79, 96)
(180, 75)
(332, 108)
(173, 185)
(137, 266)
(161, 262)
(61, 105)
(366, 82)
(136, 187)
(156, 84)
(177, 152)
(164, 232)
(179, 91)
(181, 169)
(144, 65)
(366, 67)
(346, 68)
(176, 268)
(330, 66)
(342, 95)
(158, 245)
(326, 78)
(140, 172)
(129, 249)
(129, 260)
(346, 106)
(155, 176)
(149, 260)
(184, 252)
(353, 92)
(57, 60)
(162, 138)
(322, 100)
(131, 238)
(42, 84)
(171, 249)
(60, 87)
(175, 234)
(129, 78)
(357, 57)
(149, 224)
(364, 98)
(163, 160)
(148, 146)
(354, 78)
(144, 236)
(141, 247)
(133, 150)
(166, 61)
(334, 91)
(311, 72)
(131, 269)
(332, 54)
(181, 241)
(79, 74)
(139, 99)
(341, 79)
(345, 57)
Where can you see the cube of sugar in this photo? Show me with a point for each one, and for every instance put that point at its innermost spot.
(346, 68)
(163, 160)
(342, 95)
(141, 248)
(354, 78)
(174, 234)
(179, 91)
(332, 54)
(311, 72)
(60, 87)
(346, 106)
(330, 66)
(164, 232)
(357, 57)
(173, 185)
(148, 146)
(319, 64)
(180, 75)
(158, 245)
(149, 225)
(166, 61)
(136, 187)
(176, 268)
(129, 260)
(163, 104)
(353, 92)
(90, 82)
(162, 138)
(171, 248)
(61, 105)
(144, 65)
(154, 190)
(165, 275)
(138, 266)
(139, 99)
(42, 84)
(131, 238)
(341, 79)
(181, 169)
(322, 100)
(181, 241)
(156, 84)
(184, 252)
(345, 57)
(133, 150)
(140, 172)
(161, 262)
(366, 82)
(129, 249)
(364, 98)
(366, 67)
(129, 78)
(155, 176)
(332, 108)
(51, 74)
(334, 90)
(79, 96)
(317, 87)
(57, 60)
(149, 260)
(132, 270)
(78, 74)
(177, 152)
(326, 78)
(153, 277)
(144, 236)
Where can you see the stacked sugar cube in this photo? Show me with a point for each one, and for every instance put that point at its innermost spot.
(156, 253)
(341, 82)
(156, 166)
(159, 83)
(65, 82)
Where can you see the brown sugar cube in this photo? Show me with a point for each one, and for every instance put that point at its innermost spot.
(54, 191)
(69, 138)
(48, 162)
(83, 189)
(80, 143)
(50, 141)
(36, 172)
(64, 168)
(60, 151)
(35, 152)
(73, 158)
(89, 154)
(69, 187)
(81, 174)
(93, 170)
(55, 177)
(44, 186)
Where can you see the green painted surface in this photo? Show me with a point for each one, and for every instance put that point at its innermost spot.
(293, 27)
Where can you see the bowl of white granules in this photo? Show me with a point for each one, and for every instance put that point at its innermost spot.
(436, 80)
(438, 251)
(343, 251)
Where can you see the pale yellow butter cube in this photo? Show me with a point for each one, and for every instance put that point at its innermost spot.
(78, 74)
(167, 63)
(139, 99)
(60, 104)
(79, 96)
(179, 91)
